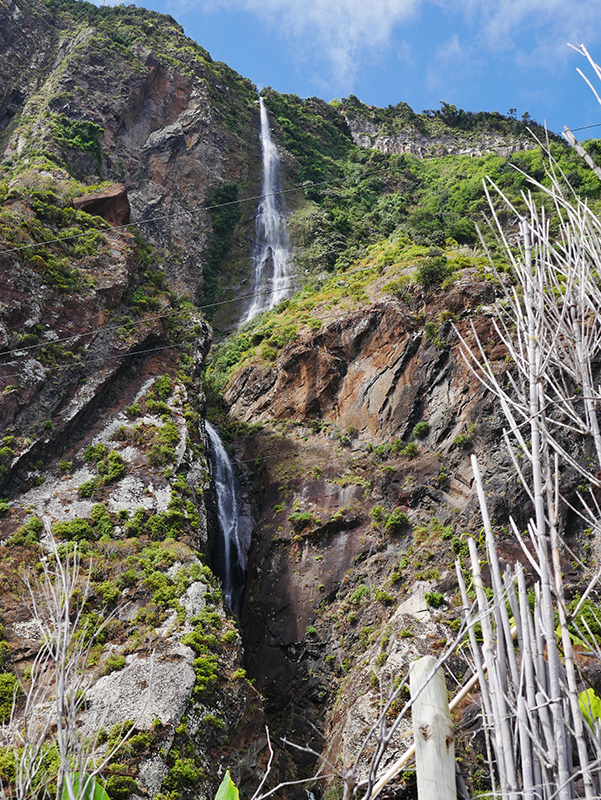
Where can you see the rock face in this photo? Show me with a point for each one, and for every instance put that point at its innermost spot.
(100, 398)
(368, 371)
(163, 120)
(361, 519)
(367, 135)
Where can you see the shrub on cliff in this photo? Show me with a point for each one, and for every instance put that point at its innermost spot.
(432, 271)
(75, 530)
(303, 519)
(8, 687)
(396, 521)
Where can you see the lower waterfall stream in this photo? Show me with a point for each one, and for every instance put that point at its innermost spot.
(233, 547)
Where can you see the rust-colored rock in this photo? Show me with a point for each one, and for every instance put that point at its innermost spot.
(111, 204)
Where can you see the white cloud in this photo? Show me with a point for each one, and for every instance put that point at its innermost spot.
(341, 30)
(549, 23)
(450, 62)
(346, 33)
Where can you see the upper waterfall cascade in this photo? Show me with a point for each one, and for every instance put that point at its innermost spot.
(271, 257)
(229, 512)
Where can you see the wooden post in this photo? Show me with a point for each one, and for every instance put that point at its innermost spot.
(433, 732)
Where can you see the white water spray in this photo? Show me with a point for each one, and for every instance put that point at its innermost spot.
(229, 513)
(271, 258)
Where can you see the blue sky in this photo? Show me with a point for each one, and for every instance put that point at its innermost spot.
(489, 55)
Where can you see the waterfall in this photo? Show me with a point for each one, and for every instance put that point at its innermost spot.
(271, 254)
(271, 259)
(235, 540)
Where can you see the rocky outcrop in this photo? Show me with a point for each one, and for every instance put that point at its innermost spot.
(372, 371)
(111, 204)
(366, 134)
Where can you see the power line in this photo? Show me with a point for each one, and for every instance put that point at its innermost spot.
(170, 314)
(585, 127)
(301, 187)
(99, 359)
(155, 219)
(136, 323)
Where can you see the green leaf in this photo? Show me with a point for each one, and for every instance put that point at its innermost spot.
(227, 790)
(590, 705)
(89, 790)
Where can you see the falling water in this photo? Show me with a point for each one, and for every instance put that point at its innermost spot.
(271, 253)
(229, 512)
(271, 258)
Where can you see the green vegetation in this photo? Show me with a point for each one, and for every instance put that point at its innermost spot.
(421, 430)
(396, 522)
(303, 519)
(76, 530)
(164, 440)
(465, 439)
(183, 774)
(360, 593)
(110, 466)
(28, 535)
(163, 387)
(434, 599)
(432, 271)
(384, 597)
(227, 789)
(313, 131)
(78, 135)
(8, 689)
(401, 118)
(378, 514)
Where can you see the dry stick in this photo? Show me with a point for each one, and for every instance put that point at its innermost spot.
(584, 368)
(549, 325)
(501, 615)
(480, 670)
(527, 657)
(537, 480)
(521, 717)
(568, 653)
(502, 732)
(540, 663)
(525, 550)
(528, 781)
(527, 760)
(538, 335)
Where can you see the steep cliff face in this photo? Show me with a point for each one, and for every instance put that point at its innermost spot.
(100, 398)
(350, 412)
(362, 434)
(103, 448)
(124, 95)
